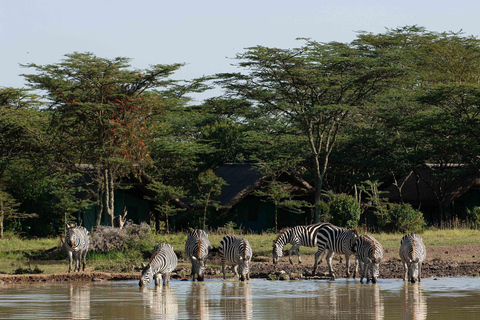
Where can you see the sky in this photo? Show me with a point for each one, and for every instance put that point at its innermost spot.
(205, 35)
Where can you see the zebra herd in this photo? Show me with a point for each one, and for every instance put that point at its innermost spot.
(234, 250)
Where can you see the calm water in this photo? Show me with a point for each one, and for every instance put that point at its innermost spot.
(446, 298)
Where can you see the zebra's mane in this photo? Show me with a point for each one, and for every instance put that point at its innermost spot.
(199, 247)
(413, 251)
(374, 248)
(153, 256)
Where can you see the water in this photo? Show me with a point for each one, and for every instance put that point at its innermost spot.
(445, 298)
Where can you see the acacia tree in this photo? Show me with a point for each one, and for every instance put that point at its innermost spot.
(313, 89)
(102, 111)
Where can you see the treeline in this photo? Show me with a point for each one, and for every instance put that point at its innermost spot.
(347, 117)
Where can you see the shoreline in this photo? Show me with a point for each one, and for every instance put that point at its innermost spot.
(390, 269)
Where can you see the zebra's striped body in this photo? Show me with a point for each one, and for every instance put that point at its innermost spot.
(237, 251)
(335, 240)
(77, 242)
(368, 254)
(162, 262)
(297, 236)
(197, 248)
(412, 253)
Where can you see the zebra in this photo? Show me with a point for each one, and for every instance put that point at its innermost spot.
(197, 248)
(412, 252)
(297, 236)
(332, 239)
(368, 254)
(237, 251)
(162, 262)
(77, 243)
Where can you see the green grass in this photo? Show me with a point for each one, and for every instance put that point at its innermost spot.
(18, 253)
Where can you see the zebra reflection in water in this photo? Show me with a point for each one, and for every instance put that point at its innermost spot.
(414, 302)
(236, 300)
(79, 301)
(161, 303)
(197, 303)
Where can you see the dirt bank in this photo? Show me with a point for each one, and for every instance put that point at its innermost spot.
(452, 261)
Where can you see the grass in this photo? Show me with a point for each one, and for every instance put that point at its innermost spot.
(25, 254)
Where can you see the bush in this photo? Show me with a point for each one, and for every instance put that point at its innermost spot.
(402, 218)
(345, 210)
(324, 212)
(132, 236)
(473, 217)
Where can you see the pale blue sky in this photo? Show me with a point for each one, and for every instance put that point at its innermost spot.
(203, 34)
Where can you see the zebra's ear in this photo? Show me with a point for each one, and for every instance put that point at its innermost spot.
(194, 258)
(143, 265)
(247, 258)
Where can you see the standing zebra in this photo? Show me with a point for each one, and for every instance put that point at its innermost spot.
(197, 248)
(412, 253)
(296, 236)
(162, 262)
(368, 254)
(77, 243)
(237, 251)
(335, 240)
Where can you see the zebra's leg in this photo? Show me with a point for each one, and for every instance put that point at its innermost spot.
(223, 269)
(84, 260)
(419, 271)
(70, 258)
(158, 278)
(294, 247)
(355, 269)
(329, 263)
(235, 269)
(166, 278)
(363, 268)
(347, 263)
(298, 254)
(405, 268)
(317, 255)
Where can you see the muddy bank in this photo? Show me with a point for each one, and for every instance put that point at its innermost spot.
(265, 270)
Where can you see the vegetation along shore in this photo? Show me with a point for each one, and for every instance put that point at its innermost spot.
(450, 253)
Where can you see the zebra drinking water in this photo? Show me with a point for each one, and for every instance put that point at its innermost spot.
(368, 254)
(77, 243)
(332, 239)
(412, 253)
(237, 251)
(162, 262)
(197, 248)
(296, 236)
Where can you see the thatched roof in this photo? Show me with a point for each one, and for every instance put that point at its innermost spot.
(243, 178)
(428, 184)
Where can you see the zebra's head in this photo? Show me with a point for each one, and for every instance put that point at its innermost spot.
(277, 252)
(147, 275)
(244, 267)
(375, 270)
(198, 268)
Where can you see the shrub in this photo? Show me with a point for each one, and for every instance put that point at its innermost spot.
(132, 236)
(324, 212)
(403, 218)
(345, 210)
(473, 217)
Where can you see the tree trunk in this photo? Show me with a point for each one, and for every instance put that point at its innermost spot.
(99, 208)
(1, 226)
(109, 195)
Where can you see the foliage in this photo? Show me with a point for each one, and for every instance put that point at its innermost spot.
(345, 210)
(473, 217)
(324, 210)
(165, 198)
(401, 218)
(208, 187)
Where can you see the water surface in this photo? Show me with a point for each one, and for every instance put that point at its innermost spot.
(445, 298)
